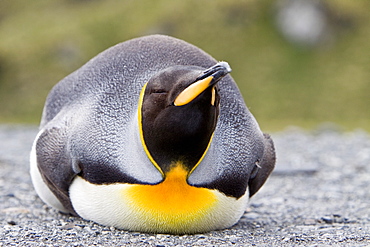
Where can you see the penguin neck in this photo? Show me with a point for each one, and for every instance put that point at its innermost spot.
(165, 148)
(184, 140)
(187, 152)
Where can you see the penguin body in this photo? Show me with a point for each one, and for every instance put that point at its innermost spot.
(151, 135)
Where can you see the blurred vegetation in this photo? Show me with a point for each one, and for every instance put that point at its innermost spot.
(283, 84)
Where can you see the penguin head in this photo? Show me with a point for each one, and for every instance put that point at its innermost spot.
(178, 114)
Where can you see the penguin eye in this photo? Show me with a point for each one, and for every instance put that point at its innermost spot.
(158, 91)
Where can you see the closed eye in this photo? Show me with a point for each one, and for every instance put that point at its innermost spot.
(160, 91)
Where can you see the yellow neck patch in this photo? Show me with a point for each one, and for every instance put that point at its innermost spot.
(140, 121)
(173, 202)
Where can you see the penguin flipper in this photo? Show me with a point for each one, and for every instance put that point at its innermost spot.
(54, 165)
(264, 168)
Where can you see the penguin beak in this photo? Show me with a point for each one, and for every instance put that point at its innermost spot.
(209, 78)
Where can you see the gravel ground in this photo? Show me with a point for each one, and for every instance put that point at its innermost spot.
(319, 194)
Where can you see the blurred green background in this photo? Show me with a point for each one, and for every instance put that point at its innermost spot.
(284, 82)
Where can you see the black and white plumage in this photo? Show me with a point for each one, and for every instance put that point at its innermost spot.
(99, 155)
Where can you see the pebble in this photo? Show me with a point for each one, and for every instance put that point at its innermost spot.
(317, 196)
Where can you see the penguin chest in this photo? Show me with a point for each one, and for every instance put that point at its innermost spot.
(172, 202)
(172, 206)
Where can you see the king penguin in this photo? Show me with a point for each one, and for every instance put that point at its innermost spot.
(151, 135)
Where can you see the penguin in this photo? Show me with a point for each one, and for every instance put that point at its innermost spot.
(151, 135)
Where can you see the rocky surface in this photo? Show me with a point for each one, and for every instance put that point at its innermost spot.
(319, 194)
